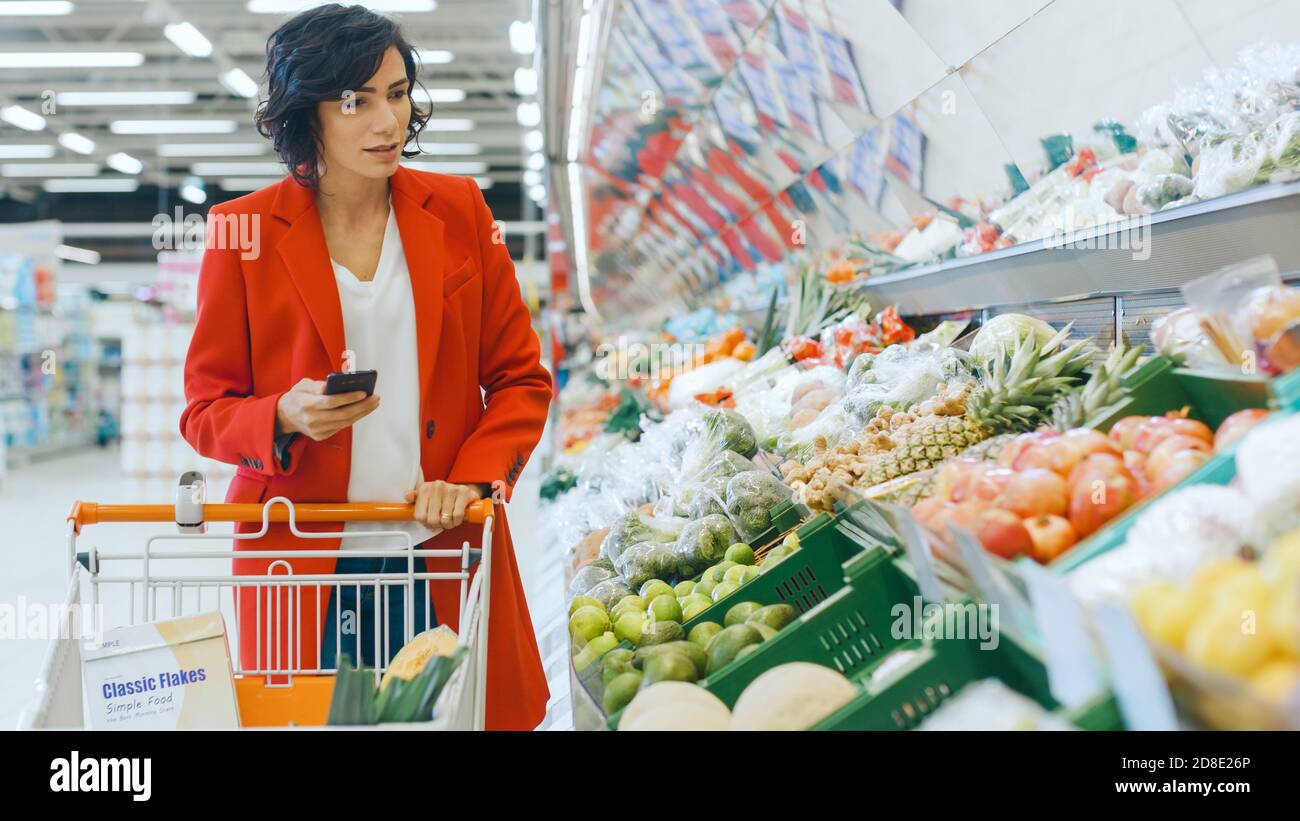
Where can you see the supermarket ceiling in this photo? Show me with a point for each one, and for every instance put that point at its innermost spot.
(101, 93)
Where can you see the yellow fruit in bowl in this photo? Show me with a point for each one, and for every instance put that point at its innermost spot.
(1165, 611)
(1243, 589)
(1277, 682)
(1284, 621)
(1283, 557)
(1213, 573)
(1226, 641)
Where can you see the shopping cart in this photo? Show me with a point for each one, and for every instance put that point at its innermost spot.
(280, 689)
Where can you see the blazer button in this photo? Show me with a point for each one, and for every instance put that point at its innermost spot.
(428, 429)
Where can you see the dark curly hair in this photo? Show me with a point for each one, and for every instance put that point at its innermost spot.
(318, 56)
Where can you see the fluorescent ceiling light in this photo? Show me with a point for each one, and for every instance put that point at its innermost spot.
(532, 177)
(188, 39)
(584, 40)
(35, 8)
(523, 37)
(71, 59)
(575, 134)
(529, 115)
(172, 126)
(433, 56)
(50, 169)
(92, 186)
(525, 81)
(536, 162)
(438, 95)
(74, 98)
(247, 183)
(294, 6)
(74, 254)
(537, 193)
(26, 152)
(579, 87)
(451, 149)
(21, 117)
(449, 124)
(483, 183)
(238, 82)
(534, 141)
(193, 193)
(450, 167)
(211, 149)
(124, 163)
(236, 169)
(75, 142)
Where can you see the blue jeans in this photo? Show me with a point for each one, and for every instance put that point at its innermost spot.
(367, 607)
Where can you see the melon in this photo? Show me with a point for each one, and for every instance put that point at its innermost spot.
(791, 697)
(410, 660)
(678, 717)
(668, 694)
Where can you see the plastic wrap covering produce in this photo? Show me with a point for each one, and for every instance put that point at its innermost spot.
(750, 498)
(705, 493)
(718, 429)
(633, 528)
(599, 581)
(991, 705)
(704, 542)
(643, 561)
(1268, 472)
(792, 399)
(704, 379)
(897, 377)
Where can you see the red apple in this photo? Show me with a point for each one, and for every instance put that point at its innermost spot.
(926, 509)
(1011, 452)
(1235, 426)
(988, 485)
(1169, 448)
(1137, 467)
(1003, 534)
(1051, 535)
(1176, 468)
(1123, 431)
(1075, 446)
(954, 477)
(1097, 465)
(1153, 431)
(1191, 427)
(1033, 492)
(1096, 498)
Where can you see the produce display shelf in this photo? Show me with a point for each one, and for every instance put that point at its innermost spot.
(941, 669)
(1163, 250)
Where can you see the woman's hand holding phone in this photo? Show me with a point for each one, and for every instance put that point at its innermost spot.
(441, 505)
(307, 409)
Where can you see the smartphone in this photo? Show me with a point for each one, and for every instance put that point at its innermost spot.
(349, 381)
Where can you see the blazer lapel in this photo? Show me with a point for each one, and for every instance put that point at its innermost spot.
(422, 242)
(306, 256)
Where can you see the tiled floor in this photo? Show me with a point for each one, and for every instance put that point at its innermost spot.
(34, 503)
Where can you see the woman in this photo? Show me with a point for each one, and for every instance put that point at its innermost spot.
(358, 263)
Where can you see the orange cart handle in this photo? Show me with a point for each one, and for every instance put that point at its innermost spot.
(91, 513)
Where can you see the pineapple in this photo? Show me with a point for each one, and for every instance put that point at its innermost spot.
(1017, 392)
(1103, 389)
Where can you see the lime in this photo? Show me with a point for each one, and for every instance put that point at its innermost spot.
(665, 608)
(588, 622)
(705, 585)
(653, 589)
(629, 626)
(765, 631)
(685, 588)
(669, 667)
(660, 632)
(702, 632)
(584, 658)
(740, 553)
(695, 604)
(775, 616)
(723, 590)
(750, 574)
(603, 643)
(791, 541)
(738, 613)
(584, 601)
(736, 575)
(628, 601)
(620, 691)
(615, 663)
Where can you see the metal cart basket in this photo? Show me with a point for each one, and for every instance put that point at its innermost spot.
(169, 580)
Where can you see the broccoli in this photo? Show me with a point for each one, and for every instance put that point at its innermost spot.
(720, 429)
(587, 578)
(610, 591)
(648, 560)
(750, 498)
(632, 528)
(705, 541)
(704, 496)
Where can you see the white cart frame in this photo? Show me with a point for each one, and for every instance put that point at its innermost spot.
(58, 700)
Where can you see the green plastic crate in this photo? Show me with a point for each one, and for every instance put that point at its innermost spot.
(942, 669)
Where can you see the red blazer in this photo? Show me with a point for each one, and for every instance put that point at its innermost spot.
(269, 315)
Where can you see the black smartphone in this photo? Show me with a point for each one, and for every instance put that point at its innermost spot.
(349, 381)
